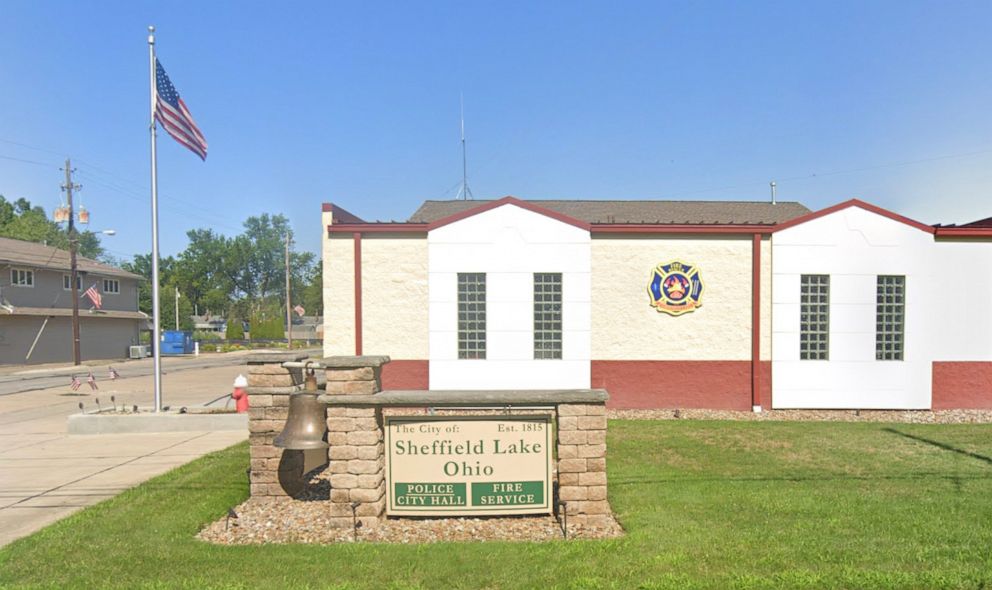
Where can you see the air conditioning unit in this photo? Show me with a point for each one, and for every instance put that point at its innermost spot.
(138, 352)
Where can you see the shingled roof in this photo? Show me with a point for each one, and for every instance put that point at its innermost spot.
(640, 212)
(35, 255)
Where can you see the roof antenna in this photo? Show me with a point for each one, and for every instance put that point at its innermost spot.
(772, 184)
(464, 193)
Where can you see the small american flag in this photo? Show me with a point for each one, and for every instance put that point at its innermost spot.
(299, 310)
(113, 374)
(171, 112)
(92, 381)
(75, 384)
(94, 296)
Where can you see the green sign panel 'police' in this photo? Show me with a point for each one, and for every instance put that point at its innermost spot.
(463, 465)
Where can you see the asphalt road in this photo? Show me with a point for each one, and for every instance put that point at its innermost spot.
(21, 379)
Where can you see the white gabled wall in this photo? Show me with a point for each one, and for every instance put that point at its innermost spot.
(962, 300)
(853, 246)
(509, 244)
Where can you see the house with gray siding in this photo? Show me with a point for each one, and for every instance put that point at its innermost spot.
(36, 304)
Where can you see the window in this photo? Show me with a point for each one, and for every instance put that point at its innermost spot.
(21, 277)
(547, 315)
(814, 320)
(111, 286)
(66, 279)
(890, 307)
(471, 315)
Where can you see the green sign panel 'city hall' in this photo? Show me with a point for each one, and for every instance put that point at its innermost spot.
(464, 465)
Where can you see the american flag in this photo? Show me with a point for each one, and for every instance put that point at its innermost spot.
(92, 381)
(171, 112)
(299, 310)
(94, 296)
(113, 374)
(75, 384)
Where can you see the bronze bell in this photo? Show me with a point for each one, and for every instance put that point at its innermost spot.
(306, 422)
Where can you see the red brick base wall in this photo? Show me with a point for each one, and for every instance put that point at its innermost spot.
(718, 385)
(962, 385)
(398, 374)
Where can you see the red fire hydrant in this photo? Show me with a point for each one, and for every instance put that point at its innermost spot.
(240, 396)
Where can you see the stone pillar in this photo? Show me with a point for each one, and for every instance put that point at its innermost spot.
(582, 462)
(274, 472)
(355, 439)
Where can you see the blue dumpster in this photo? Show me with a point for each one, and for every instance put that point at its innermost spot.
(177, 342)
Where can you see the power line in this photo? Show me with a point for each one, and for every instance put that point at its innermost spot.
(45, 164)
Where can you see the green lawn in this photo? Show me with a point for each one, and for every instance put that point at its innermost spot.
(705, 504)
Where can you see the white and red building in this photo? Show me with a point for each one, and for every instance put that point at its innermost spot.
(728, 305)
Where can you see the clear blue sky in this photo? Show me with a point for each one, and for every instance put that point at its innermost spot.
(357, 103)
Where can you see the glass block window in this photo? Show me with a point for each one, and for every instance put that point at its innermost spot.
(814, 320)
(547, 315)
(890, 308)
(112, 286)
(471, 315)
(21, 277)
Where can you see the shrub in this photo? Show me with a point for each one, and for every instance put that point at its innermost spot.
(235, 331)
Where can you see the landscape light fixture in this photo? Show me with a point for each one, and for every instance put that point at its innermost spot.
(355, 523)
(230, 514)
(563, 521)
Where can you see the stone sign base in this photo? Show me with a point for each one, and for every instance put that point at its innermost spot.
(355, 458)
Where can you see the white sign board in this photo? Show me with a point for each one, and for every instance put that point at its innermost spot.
(468, 465)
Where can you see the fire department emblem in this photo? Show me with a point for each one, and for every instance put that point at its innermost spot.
(675, 288)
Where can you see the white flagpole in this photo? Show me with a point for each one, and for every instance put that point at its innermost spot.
(156, 338)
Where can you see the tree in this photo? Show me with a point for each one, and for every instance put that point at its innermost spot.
(21, 221)
(199, 273)
(313, 292)
(167, 307)
(239, 277)
(142, 265)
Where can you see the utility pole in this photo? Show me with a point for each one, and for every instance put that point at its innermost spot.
(289, 308)
(177, 309)
(73, 275)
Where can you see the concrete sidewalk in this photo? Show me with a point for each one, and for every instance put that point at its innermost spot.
(45, 474)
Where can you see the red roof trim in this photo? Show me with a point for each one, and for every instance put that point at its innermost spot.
(508, 201)
(377, 228)
(339, 215)
(747, 230)
(963, 232)
(744, 230)
(861, 205)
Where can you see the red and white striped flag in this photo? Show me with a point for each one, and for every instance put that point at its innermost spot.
(75, 384)
(171, 112)
(92, 381)
(94, 296)
(299, 310)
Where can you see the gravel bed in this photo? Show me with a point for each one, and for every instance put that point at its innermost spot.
(904, 416)
(305, 520)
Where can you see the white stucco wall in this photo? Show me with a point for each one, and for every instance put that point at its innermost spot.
(339, 294)
(853, 246)
(962, 298)
(509, 244)
(394, 295)
(626, 327)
